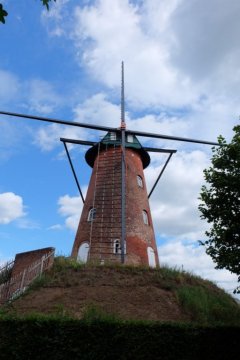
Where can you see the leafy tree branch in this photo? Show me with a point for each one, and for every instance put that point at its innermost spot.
(4, 13)
(221, 205)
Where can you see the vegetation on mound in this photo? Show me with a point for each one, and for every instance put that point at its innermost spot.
(65, 338)
(203, 301)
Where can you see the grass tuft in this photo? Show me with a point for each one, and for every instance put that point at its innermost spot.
(62, 263)
(93, 314)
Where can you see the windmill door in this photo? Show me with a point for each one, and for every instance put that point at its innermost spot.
(151, 257)
(83, 252)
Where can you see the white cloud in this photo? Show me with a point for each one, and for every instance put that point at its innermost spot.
(175, 51)
(103, 41)
(71, 208)
(55, 227)
(53, 18)
(33, 94)
(207, 38)
(41, 96)
(98, 110)
(47, 137)
(9, 86)
(174, 201)
(95, 110)
(11, 207)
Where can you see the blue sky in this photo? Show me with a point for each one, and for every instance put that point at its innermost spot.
(182, 78)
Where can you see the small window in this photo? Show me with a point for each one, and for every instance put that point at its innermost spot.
(91, 214)
(145, 217)
(140, 181)
(130, 138)
(113, 136)
(117, 247)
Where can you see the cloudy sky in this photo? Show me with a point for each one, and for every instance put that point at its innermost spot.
(182, 78)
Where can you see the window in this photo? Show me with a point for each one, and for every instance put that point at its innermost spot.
(140, 181)
(145, 217)
(117, 247)
(113, 136)
(91, 214)
(130, 138)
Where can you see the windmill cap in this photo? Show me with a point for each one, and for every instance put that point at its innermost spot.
(114, 139)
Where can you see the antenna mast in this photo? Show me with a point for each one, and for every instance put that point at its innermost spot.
(122, 100)
(123, 190)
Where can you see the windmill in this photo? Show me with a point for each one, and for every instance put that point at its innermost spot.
(116, 224)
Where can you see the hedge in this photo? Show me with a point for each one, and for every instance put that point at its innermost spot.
(73, 339)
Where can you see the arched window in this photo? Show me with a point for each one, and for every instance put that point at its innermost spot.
(91, 214)
(117, 247)
(145, 217)
(140, 181)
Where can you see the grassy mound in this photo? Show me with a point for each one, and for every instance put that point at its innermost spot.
(125, 293)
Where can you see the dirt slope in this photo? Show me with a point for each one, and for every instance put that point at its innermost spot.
(127, 293)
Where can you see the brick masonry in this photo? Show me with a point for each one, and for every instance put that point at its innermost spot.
(25, 259)
(104, 194)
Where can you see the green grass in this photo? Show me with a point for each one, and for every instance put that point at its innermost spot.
(62, 263)
(208, 307)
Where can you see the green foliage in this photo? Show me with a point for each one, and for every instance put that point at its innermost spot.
(221, 205)
(46, 3)
(38, 337)
(3, 12)
(208, 307)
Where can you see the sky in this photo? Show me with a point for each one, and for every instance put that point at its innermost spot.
(182, 78)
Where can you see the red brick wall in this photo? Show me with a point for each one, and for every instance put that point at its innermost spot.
(105, 187)
(25, 259)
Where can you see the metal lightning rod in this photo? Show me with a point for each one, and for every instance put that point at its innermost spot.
(123, 192)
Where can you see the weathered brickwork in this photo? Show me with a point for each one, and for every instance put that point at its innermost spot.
(104, 194)
(25, 259)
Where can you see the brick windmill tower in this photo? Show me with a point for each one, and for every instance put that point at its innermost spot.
(116, 223)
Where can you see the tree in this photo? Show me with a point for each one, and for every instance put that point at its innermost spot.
(4, 13)
(221, 205)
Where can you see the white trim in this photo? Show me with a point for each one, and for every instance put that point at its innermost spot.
(145, 217)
